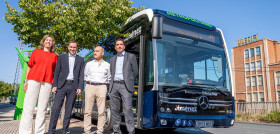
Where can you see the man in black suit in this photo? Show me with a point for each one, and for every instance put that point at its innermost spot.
(68, 81)
(124, 70)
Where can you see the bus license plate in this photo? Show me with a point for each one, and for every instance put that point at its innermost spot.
(204, 123)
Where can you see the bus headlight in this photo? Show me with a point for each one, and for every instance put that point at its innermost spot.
(168, 110)
(163, 122)
(229, 111)
(162, 109)
(165, 110)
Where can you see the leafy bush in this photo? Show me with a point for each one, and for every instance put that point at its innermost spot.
(273, 117)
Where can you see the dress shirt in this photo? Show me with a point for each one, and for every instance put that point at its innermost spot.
(119, 67)
(71, 67)
(98, 72)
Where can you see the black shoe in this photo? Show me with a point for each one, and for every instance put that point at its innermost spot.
(66, 132)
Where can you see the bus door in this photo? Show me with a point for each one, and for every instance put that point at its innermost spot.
(137, 48)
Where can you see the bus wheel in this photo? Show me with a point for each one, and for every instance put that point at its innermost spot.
(108, 120)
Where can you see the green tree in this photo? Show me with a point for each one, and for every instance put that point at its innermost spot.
(6, 89)
(87, 21)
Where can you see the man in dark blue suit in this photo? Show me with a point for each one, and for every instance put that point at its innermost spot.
(68, 81)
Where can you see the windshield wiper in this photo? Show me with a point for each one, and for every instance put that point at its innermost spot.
(214, 87)
(220, 90)
(197, 86)
(182, 88)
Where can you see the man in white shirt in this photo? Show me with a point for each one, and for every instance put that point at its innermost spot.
(97, 77)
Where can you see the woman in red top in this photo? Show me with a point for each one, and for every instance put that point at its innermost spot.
(39, 74)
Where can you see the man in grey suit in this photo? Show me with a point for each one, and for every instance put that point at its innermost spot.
(124, 70)
(68, 81)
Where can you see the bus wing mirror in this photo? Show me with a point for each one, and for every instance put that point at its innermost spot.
(157, 27)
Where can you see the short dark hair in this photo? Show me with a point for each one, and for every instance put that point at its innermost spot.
(73, 41)
(119, 39)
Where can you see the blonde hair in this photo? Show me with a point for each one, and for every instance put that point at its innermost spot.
(43, 40)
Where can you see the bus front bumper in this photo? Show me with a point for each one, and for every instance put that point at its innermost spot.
(181, 120)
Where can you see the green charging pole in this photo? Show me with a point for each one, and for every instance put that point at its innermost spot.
(23, 61)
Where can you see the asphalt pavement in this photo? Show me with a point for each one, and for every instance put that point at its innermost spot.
(6, 112)
(10, 126)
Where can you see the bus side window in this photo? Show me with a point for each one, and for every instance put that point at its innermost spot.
(149, 67)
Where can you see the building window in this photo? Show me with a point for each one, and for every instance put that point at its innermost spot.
(260, 80)
(249, 97)
(246, 52)
(278, 78)
(259, 65)
(261, 96)
(278, 95)
(248, 81)
(253, 80)
(258, 50)
(253, 68)
(247, 67)
(252, 52)
(255, 97)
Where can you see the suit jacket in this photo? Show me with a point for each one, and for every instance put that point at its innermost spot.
(62, 70)
(130, 70)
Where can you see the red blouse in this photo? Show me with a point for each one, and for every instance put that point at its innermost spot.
(42, 65)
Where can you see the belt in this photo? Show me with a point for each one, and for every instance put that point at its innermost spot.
(69, 80)
(120, 82)
(94, 83)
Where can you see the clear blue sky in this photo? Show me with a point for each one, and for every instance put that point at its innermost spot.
(237, 18)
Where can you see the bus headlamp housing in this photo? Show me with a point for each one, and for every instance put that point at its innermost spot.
(168, 110)
(165, 110)
(161, 109)
(229, 111)
(163, 122)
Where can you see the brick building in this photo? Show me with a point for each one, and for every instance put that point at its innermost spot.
(256, 71)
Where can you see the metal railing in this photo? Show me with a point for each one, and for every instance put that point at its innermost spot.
(257, 107)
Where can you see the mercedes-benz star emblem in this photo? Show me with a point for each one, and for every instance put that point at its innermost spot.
(203, 102)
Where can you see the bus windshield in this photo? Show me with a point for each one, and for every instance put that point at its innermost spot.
(184, 60)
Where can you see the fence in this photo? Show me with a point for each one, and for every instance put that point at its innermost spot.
(257, 107)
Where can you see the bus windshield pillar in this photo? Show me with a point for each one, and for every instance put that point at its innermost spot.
(141, 82)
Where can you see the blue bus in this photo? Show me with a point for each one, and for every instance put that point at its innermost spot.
(184, 72)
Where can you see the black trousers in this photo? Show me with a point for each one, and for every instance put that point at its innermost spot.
(70, 93)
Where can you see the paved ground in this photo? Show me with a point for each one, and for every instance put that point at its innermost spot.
(10, 126)
(6, 112)
(76, 127)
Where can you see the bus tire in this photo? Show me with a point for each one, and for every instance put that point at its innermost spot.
(108, 120)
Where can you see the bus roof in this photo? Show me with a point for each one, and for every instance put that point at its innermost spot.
(150, 13)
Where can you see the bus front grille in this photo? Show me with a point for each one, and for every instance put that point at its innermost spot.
(193, 102)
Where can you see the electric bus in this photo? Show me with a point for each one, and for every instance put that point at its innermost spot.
(184, 73)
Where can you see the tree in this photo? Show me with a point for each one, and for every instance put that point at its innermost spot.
(6, 89)
(87, 21)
